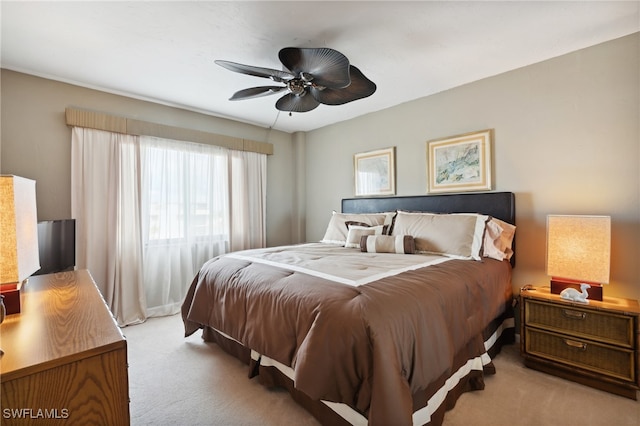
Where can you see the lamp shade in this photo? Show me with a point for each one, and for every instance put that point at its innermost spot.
(579, 247)
(18, 229)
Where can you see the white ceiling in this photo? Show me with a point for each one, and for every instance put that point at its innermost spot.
(164, 51)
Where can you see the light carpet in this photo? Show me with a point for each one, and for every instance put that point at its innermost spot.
(186, 381)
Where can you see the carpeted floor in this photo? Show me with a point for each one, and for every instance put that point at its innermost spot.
(177, 380)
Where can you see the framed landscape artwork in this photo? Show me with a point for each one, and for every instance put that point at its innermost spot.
(375, 172)
(460, 163)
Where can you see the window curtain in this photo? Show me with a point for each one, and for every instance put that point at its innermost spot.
(105, 194)
(248, 189)
(191, 202)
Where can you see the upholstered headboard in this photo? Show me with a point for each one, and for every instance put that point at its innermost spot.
(501, 205)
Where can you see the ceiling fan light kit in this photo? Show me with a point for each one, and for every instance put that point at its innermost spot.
(311, 76)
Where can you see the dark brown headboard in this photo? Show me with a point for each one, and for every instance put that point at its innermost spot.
(501, 205)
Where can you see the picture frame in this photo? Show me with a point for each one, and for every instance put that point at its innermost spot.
(374, 172)
(460, 163)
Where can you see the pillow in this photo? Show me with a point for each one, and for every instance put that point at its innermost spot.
(458, 235)
(337, 229)
(498, 239)
(386, 227)
(388, 244)
(356, 233)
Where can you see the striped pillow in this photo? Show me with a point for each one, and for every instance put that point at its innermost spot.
(388, 244)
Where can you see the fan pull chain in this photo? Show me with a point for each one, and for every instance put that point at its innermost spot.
(271, 127)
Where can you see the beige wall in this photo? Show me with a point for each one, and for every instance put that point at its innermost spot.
(36, 143)
(566, 142)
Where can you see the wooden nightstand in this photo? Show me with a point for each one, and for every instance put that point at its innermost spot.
(65, 359)
(595, 344)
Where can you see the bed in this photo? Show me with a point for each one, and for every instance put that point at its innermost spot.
(396, 312)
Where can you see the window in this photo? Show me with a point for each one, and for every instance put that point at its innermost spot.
(150, 212)
(185, 191)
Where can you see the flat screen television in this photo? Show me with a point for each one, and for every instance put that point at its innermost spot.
(56, 246)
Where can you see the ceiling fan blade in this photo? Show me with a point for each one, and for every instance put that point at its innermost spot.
(296, 103)
(328, 67)
(275, 75)
(360, 87)
(256, 92)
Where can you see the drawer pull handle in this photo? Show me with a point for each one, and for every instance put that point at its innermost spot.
(574, 314)
(578, 345)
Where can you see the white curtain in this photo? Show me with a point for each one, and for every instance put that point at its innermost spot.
(191, 202)
(248, 195)
(105, 197)
(185, 216)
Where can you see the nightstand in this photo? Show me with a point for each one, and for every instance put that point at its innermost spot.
(595, 344)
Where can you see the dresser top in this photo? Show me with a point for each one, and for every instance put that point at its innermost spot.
(63, 318)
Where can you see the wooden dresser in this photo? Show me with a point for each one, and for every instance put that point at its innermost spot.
(65, 359)
(595, 344)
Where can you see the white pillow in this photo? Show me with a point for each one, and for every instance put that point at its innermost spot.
(336, 232)
(356, 233)
(458, 235)
(498, 239)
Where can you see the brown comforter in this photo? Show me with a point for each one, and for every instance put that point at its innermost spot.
(371, 346)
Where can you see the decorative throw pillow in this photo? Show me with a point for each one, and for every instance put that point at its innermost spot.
(458, 235)
(388, 244)
(356, 233)
(337, 229)
(498, 239)
(386, 226)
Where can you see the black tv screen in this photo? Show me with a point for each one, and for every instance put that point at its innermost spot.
(56, 246)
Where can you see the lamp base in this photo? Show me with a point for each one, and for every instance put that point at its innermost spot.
(12, 299)
(558, 284)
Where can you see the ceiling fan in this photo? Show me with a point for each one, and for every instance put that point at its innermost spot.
(311, 76)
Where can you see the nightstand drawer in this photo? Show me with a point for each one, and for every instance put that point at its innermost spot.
(604, 359)
(588, 323)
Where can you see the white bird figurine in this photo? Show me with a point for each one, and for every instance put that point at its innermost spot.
(574, 295)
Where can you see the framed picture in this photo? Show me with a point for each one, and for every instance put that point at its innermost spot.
(460, 163)
(375, 172)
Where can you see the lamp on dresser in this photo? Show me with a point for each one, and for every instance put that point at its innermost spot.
(578, 255)
(19, 256)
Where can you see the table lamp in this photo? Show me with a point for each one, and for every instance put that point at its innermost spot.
(578, 251)
(19, 256)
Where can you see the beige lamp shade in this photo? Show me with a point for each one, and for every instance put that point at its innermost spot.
(579, 247)
(18, 229)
